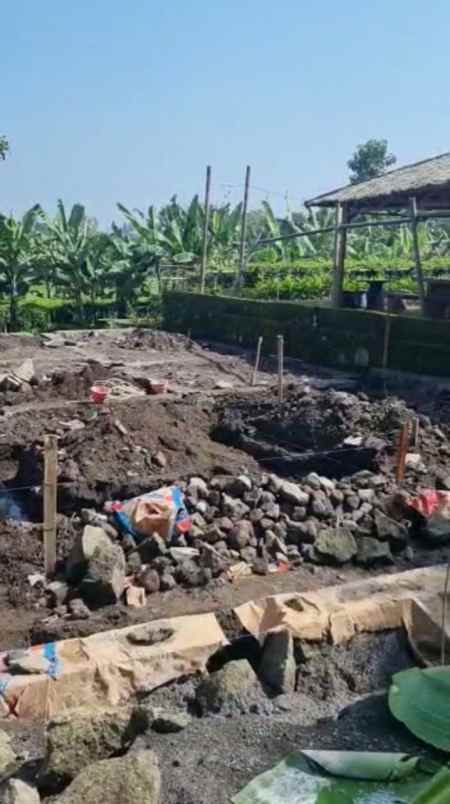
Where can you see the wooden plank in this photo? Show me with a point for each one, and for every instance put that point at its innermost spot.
(50, 493)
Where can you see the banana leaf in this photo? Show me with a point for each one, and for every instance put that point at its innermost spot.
(438, 791)
(339, 777)
(421, 700)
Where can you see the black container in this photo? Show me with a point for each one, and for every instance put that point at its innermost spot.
(376, 295)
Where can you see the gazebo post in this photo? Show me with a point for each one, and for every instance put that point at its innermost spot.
(416, 251)
(340, 245)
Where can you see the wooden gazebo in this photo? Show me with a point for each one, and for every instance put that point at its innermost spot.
(409, 194)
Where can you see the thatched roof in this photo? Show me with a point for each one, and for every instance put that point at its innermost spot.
(429, 181)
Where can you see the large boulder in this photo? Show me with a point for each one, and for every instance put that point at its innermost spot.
(14, 791)
(278, 668)
(98, 561)
(335, 546)
(391, 531)
(100, 564)
(7, 755)
(229, 689)
(132, 779)
(85, 736)
(293, 493)
(372, 552)
(241, 535)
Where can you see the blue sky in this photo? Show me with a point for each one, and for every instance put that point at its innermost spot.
(107, 101)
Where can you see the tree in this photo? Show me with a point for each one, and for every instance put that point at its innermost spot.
(17, 257)
(370, 160)
(4, 146)
(78, 254)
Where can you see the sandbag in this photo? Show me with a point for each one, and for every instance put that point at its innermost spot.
(162, 511)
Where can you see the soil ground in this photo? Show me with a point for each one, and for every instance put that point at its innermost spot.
(111, 452)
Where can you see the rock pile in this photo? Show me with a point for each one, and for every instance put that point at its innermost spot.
(240, 524)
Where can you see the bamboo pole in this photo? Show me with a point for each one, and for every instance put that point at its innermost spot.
(243, 228)
(280, 351)
(257, 359)
(340, 243)
(416, 252)
(50, 492)
(205, 231)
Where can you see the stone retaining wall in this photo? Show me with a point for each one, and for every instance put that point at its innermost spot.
(342, 338)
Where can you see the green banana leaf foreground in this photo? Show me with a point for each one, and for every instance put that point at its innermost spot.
(347, 777)
(421, 700)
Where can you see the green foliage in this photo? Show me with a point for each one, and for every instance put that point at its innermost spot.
(67, 257)
(339, 777)
(4, 146)
(17, 257)
(421, 700)
(370, 160)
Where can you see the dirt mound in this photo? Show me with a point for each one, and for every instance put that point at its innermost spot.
(125, 448)
(315, 419)
(155, 339)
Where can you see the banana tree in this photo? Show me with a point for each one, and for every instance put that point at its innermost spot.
(4, 147)
(17, 252)
(80, 256)
(163, 238)
(134, 265)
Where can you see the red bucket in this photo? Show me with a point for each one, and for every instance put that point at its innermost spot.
(158, 386)
(99, 394)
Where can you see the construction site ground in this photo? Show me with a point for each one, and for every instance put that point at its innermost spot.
(211, 422)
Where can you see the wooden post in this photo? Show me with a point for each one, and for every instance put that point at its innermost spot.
(205, 231)
(340, 245)
(416, 432)
(243, 228)
(280, 351)
(50, 480)
(416, 252)
(401, 453)
(257, 359)
(387, 337)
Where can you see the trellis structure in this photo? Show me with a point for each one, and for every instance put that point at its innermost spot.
(408, 194)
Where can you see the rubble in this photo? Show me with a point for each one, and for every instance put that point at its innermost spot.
(132, 779)
(165, 721)
(7, 755)
(278, 668)
(15, 791)
(229, 689)
(75, 740)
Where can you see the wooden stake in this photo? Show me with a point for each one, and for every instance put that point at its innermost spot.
(280, 351)
(50, 479)
(416, 252)
(401, 453)
(243, 228)
(257, 359)
(387, 337)
(205, 231)
(415, 432)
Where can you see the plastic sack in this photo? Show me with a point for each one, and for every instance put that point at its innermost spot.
(162, 511)
(434, 507)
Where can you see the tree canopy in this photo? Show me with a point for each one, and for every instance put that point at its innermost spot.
(4, 146)
(371, 159)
